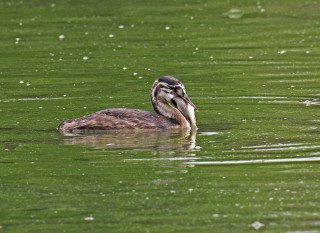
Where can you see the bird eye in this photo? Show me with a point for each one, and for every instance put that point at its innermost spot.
(180, 92)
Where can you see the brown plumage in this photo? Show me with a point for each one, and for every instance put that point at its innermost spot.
(173, 109)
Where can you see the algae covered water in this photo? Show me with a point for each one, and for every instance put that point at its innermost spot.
(252, 70)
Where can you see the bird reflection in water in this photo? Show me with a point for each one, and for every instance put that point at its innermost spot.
(140, 140)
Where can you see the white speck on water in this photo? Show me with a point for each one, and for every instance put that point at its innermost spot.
(20, 24)
(135, 74)
(89, 218)
(64, 95)
(190, 190)
(61, 37)
(191, 17)
(258, 5)
(172, 191)
(264, 85)
(111, 35)
(292, 86)
(234, 14)
(124, 68)
(84, 107)
(167, 28)
(257, 225)
(140, 77)
(21, 82)
(17, 40)
(282, 51)
(28, 84)
(262, 10)
(40, 107)
(51, 54)
(121, 26)
(53, 5)
(250, 57)
(197, 147)
(215, 215)
(85, 58)
(307, 52)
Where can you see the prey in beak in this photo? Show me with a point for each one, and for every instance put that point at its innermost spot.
(182, 102)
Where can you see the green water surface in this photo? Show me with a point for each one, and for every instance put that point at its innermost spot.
(251, 68)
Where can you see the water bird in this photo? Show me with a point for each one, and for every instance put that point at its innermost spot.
(172, 106)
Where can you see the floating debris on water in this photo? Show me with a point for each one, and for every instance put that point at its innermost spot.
(17, 40)
(21, 82)
(167, 28)
(85, 58)
(111, 36)
(311, 102)
(89, 218)
(282, 51)
(121, 26)
(61, 37)
(257, 225)
(234, 14)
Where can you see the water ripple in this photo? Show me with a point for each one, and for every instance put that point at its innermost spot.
(254, 161)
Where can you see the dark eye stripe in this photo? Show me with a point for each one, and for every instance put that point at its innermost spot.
(174, 103)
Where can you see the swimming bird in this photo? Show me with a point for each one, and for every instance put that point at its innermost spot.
(172, 106)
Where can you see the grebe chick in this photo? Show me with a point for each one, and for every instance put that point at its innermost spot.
(173, 109)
